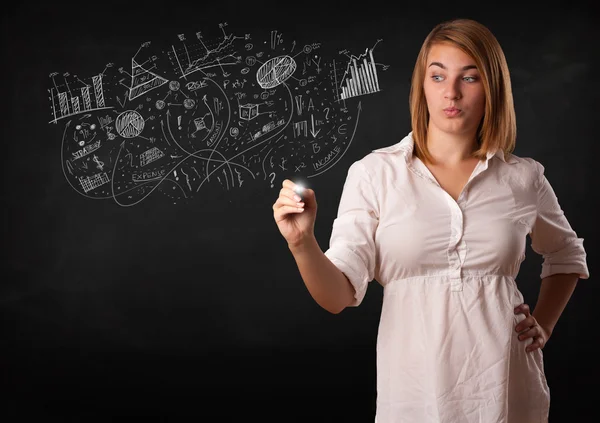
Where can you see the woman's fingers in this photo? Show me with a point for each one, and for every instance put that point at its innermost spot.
(291, 194)
(537, 343)
(288, 201)
(285, 206)
(528, 328)
(522, 308)
(529, 332)
(287, 191)
(537, 336)
(283, 210)
(287, 197)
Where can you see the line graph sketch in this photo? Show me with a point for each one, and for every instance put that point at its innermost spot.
(210, 112)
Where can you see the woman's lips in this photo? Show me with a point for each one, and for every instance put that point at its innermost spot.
(452, 111)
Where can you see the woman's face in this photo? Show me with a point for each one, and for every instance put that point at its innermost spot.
(453, 90)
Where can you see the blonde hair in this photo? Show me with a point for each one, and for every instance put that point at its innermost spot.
(498, 129)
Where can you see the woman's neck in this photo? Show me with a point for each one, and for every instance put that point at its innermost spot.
(450, 150)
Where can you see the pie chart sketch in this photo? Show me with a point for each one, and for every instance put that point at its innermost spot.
(129, 124)
(275, 71)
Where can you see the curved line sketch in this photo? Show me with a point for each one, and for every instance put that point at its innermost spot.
(252, 147)
(220, 137)
(263, 162)
(212, 151)
(112, 188)
(210, 113)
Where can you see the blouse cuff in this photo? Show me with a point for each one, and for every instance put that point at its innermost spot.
(352, 266)
(570, 259)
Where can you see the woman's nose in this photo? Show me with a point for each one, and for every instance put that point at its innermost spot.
(452, 92)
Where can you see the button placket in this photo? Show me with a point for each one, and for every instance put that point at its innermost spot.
(456, 232)
(457, 247)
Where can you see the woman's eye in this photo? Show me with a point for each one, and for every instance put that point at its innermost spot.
(438, 78)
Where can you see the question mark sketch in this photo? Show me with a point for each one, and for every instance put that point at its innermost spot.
(272, 173)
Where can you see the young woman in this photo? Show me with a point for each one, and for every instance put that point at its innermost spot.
(440, 220)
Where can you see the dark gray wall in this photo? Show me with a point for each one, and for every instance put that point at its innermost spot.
(163, 303)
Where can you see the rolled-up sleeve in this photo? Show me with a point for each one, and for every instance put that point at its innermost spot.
(552, 236)
(352, 242)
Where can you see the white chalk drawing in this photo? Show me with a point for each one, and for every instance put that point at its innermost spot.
(150, 155)
(363, 79)
(88, 183)
(143, 79)
(76, 97)
(248, 111)
(275, 71)
(211, 112)
(129, 124)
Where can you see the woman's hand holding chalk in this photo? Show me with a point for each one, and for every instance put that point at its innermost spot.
(295, 212)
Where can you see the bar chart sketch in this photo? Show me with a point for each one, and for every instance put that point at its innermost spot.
(69, 100)
(359, 78)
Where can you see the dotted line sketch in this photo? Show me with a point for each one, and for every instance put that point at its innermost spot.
(214, 110)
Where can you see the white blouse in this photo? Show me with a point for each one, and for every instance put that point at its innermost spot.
(447, 350)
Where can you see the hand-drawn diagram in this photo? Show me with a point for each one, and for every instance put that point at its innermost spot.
(215, 111)
(363, 78)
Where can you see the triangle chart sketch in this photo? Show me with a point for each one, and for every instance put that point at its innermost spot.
(143, 80)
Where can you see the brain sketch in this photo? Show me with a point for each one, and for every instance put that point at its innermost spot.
(209, 112)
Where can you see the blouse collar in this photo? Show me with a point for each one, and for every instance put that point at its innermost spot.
(407, 145)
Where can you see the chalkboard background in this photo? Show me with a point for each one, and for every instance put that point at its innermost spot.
(162, 303)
